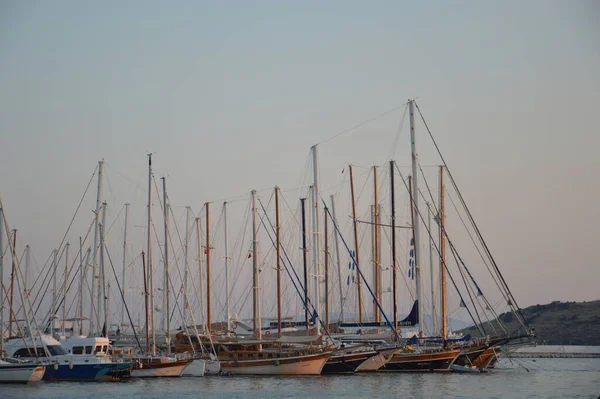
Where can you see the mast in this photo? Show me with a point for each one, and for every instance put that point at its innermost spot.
(201, 293)
(186, 266)
(356, 244)
(81, 280)
(146, 299)
(149, 249)
(64, 307)
(442, 223)
(278, 244)
(227, 261)
(95, 251)
(54, 295)
(124, 263)
(415, 199)
(316, 239)
(393, 217)
(433, 307)
(12, 286)
(304, 250)
(337, 257)
(27, 264)
(207, 251)
(102, 270)
(255, 267)
(167, 290)
(325, 238)
(376, 245)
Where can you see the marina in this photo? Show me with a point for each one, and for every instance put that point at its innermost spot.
(299, 199)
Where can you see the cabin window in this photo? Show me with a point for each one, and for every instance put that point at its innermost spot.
(77, 350)
(88, 350)
(56, 350)
(24, 352)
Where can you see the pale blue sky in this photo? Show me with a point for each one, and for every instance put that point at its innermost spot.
(231, 95)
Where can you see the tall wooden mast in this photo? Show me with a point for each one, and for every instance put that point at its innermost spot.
(304, 260)
(278, 245)
(1, 279)
(167, 290)
(376, 245)
(442, 221)
(356, 245)
(207, 251)
(227, 261)
(326, 264)
(256, 271)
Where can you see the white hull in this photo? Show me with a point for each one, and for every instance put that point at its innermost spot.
(377, 361)
(196, 368)
(213, 367)
(34, 373)
(154, 372)
(300, 365)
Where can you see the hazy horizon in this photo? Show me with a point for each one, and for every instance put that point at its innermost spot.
(230, 98)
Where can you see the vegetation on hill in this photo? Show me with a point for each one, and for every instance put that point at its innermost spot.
(558, 323)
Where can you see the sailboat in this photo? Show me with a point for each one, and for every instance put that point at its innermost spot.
(265, 357)
(15, 371)
(149, 365)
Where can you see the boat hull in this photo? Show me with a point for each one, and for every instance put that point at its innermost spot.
(428, 361)
(196, 368)
(156, 368)
(346, 363)
(21, 373)
(87, 372)
(294, 365)
(377, 361)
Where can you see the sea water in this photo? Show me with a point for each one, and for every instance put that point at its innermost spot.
(516, 378)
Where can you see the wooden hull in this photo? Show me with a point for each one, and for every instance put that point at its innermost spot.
(157, 367)
(485, 359)
(21, 373)
(424, 361)
(346, 363)
(468, 355)
(294, 365)
(377, 361)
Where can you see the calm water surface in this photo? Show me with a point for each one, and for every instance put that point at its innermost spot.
(546, 378)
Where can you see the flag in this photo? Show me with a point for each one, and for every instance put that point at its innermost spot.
(343, 170)
(463, 304)
(206, 251)
(249, 255)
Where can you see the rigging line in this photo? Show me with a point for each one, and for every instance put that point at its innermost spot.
(306, 302)
(376, 301)
(428, 190)
(394, 146)
(115, 219)
(477, 231)
(361, 124)
(477, 247)
(457, 255)
(77, 210)
(462, 275)
(123, 299)
(437, 249)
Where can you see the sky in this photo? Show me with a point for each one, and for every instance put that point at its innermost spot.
(230, 96)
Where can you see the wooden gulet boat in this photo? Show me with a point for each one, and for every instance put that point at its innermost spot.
(292, 361)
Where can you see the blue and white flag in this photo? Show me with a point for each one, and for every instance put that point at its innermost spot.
(411, 259)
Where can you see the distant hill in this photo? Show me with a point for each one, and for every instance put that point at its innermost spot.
(558, 323)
